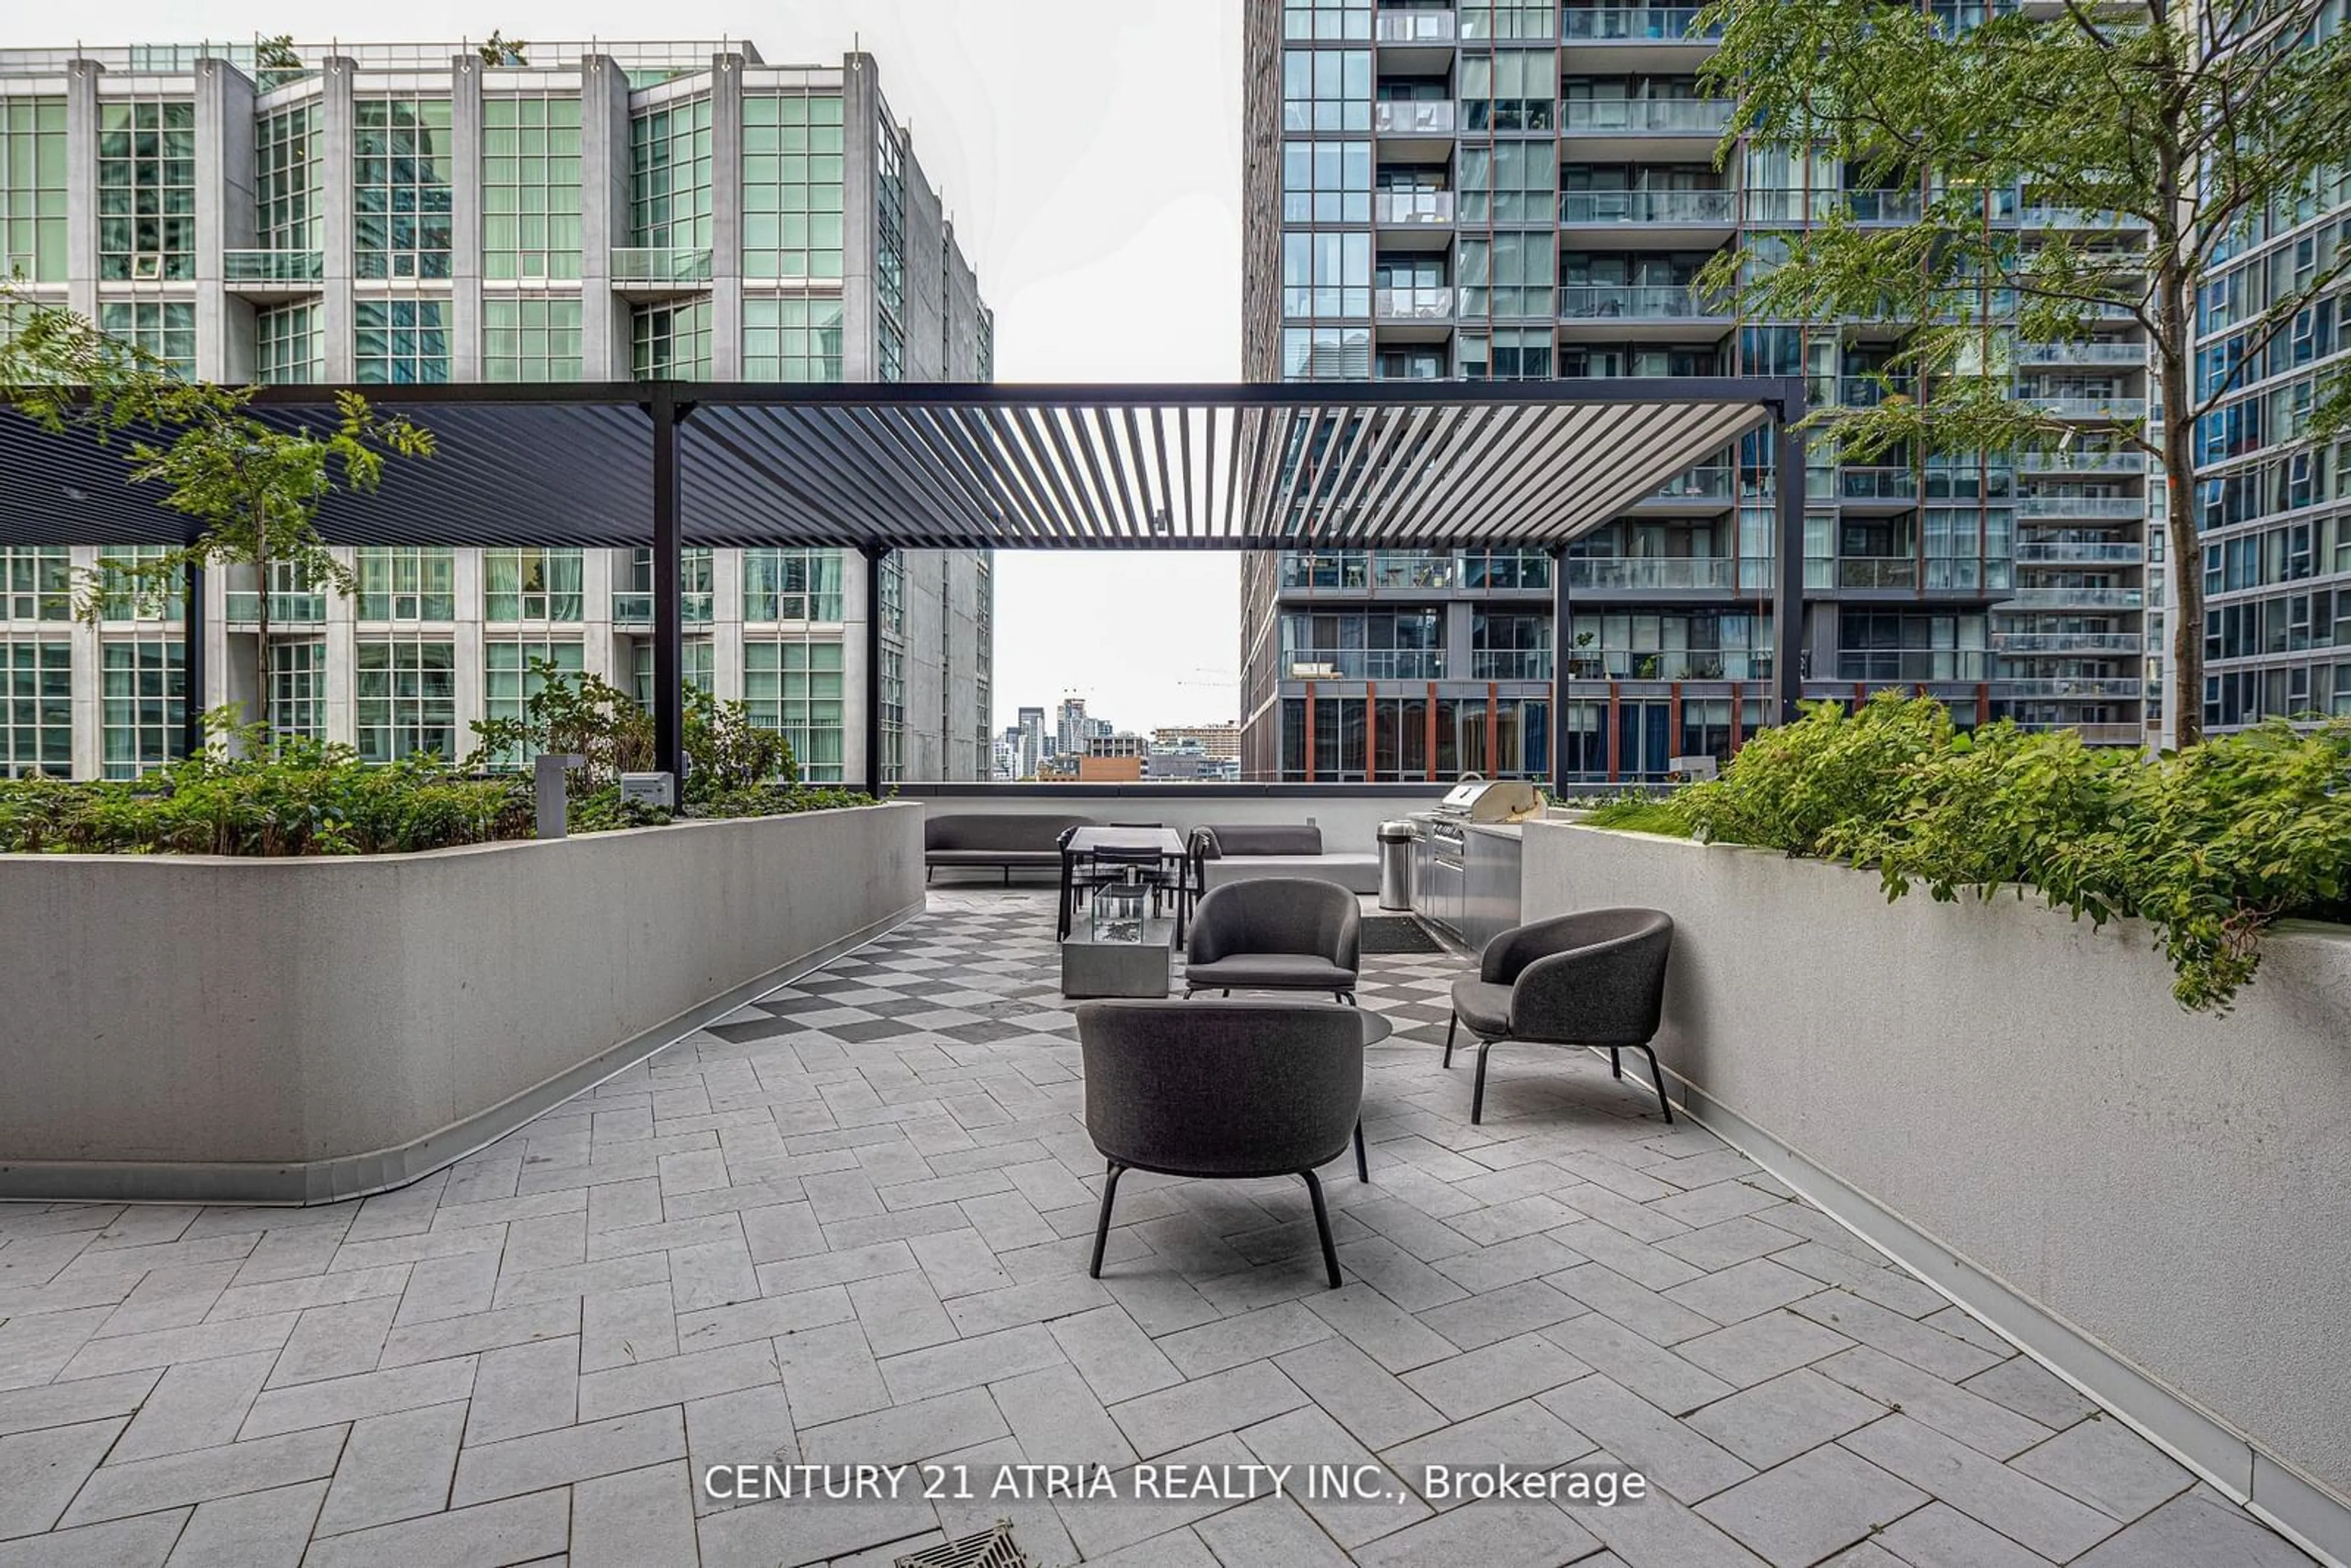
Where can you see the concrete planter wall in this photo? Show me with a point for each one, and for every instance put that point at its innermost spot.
(296, 1031)
(2157, 1203)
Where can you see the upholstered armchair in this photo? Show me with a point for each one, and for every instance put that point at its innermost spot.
(1596, 978)
(1275, 933)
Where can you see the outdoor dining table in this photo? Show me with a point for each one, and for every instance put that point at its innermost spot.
(1130, 843)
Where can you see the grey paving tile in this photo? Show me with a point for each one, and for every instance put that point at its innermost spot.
(197, 1405)
(344, 1399)
(2195, 1530)
(747, 1427)
(1114, 1356)
(631, 1520)
(493, 1329)
(829, 1373)
(1780, 1419)
(900, 1313)
(1376, 1502)
(165, 1347)
(1174, 1418)
(622, 1390)
(1871, 1281)
(334, 1342)
(1056, 1419)
(1657, 1532)
(1952, 1410)
(1359, 1394)
(1929, 1349)
(1490, 1534)
(1101, 1525)
(393, 1468)
(2020, 1507)
(2031, 1390)
(1495, 1375)
(523, 1388)
(1814, 1505)
(1503, 1314)
(141, 1542)
(1252, 1337)
(1741, 1291)
(1761, 1348)
(456, 1285)
(1638, 1308)
(1677, 1457)
(1657, 1374)
(516, 1529)
(523, 1465)
(1524, 1437)
(1270, 1530)
(257, 1529)
(40, 1471)
(959, 1263)
(1941, 1536)
(763, 1534)
(71, 1403)
(1385, 1332)
(1041, 1301)
(2106, 1465)
(143, 1486)
(905, 1434)
(1639, 1261)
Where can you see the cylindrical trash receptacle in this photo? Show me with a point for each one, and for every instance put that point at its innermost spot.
(1395, 865)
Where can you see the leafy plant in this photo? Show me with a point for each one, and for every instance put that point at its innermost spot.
(2192, 124)
(726, 752)
(570, 713)
(502, 51)
(2209, 846)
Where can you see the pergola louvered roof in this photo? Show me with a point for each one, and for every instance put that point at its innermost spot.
(997, 467)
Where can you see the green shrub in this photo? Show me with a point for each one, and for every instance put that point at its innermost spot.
(2210, 846)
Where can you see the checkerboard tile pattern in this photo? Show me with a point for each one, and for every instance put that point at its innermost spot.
(852, 1222)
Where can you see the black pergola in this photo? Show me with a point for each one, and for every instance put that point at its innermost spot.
(883, 468)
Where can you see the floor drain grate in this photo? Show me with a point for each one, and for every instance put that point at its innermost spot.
(989, 1549)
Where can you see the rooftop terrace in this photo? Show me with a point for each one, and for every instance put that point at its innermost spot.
(851, 1222)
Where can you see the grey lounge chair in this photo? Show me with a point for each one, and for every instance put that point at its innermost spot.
(1593, 979)
(1275, 933)
(1241, 1090)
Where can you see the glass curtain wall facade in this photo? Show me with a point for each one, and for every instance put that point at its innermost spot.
(1501, 191)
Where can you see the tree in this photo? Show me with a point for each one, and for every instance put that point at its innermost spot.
(503, 51)
(2195, 123)
(254, 488)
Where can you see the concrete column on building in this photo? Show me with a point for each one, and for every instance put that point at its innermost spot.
(81, 193)
(339, 134)
(341, 676)
(1820, 639)
(860, 100)
(727, 218)
(465, 218)
(1461, 638)
(597, 654)
(603, 217)
(466, 642)
(232, 663)
(88, 676)
(225, 219)
(726, 625)
(860, 685)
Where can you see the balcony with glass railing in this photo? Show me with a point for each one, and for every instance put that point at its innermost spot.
(2073, 406)
(653, 270)
(1651, 573)
(2038, 216)
(632, 610)
(2079, 552)
(1876, 572)
(1364, 665)
(1685, 209)
(1509, 664)
(1414, 117)
(2080, 461)
(1412, 209)
(1413, 28)
(1633, 302)
(1868, 392)
(2033, 644)
(244, 609)
(1366, 572)
(1877, 483)
(1428, 302)
(1884, 206)
(1634, 25)
(2104, 508)
(1910, 665)
(273, 272)
(2131, 354)
(2087, 688)
(2059, 597)
(1713, 482)
(2091, 734)
(1644, 116)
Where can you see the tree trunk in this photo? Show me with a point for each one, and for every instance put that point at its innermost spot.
(2183, 563)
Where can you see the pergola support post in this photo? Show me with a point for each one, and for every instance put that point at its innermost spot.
(875, 557)
(1562, 648)
(192, 664)
(1788, 597)
(669, 590)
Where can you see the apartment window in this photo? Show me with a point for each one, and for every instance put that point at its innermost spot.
(402, 342)
(1326, 19)
(143, 688)
(894, 594)
(890, 225)
(1511, 89)
(893, 714)
(146, 190)
(693, 583)
(668, 176)
(406, 582)
(530, 188)
(162, 328)
(671, 342)
(1510, 182)
(35, 708)
(791, 585)
(298, 688)
(1510, 645)
(791, 338)
(1326, 89)
(33, 189)
(292, 344)
(35, 583)
(696, 655)
(1326, 354)
(530, 585)
(986, 345)
(286, 190)
(129, 597)
(1506, 354)
(1508, 275)
(1326, 182)
(792, 185)
(508, 681)
(890, 351)
(1326, 274)
(406, 695)
(530, 338)
(1509, 19)
(400, 187)
(794, 689)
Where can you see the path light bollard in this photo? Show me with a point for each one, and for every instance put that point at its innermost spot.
(547, 780)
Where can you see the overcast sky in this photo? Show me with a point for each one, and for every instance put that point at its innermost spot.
(1089, 151)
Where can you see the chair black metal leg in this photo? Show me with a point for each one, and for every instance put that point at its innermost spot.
(928, 872)
(1450, 1025)
(1322, 1225)
(1658, 1077)
(1228, 991)
(1363, 1165)
(1477, 1092)
(1008, 876)
(1102, 1226)
(1346, 999)
(1187, 993)
(1615, 1065)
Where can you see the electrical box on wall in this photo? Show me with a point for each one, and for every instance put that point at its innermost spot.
(658, 790)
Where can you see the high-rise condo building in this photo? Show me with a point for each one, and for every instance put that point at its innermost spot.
(399, 214)
(1518, 188)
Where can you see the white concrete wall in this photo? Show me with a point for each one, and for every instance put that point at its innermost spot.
(2020, 1089)
(303, 1029)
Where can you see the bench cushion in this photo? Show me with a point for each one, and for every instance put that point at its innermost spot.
(1272, 972)
(1045, 858)
(996, 832)
(1262, 839)
(1356, 874)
